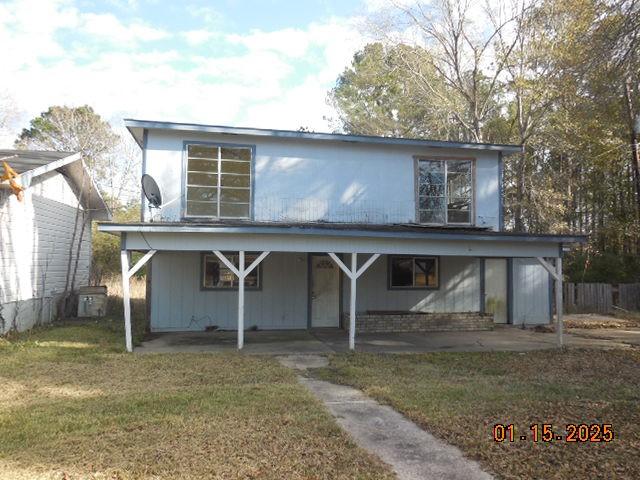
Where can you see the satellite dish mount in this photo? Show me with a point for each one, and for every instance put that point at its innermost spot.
(152, 193)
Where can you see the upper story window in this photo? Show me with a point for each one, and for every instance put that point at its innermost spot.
(218, 181)
(445, 191)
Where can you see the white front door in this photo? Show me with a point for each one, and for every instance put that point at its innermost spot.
(495, 288)
(325, 292)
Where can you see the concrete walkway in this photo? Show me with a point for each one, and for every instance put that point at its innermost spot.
(412, 453)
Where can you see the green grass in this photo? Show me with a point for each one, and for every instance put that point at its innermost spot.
(459, 397)
(73, 405)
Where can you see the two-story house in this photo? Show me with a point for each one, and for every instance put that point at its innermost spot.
(274, 229)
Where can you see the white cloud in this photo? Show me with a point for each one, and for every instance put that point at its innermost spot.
(199, 36)
(108, 26)
(380, 5)
(261, 85)
(204, 13)
(290, 42)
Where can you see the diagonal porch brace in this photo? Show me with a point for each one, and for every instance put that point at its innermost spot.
(241, 272)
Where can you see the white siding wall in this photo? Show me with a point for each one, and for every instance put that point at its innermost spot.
(332, 181)
(530, 292)
(34, 250)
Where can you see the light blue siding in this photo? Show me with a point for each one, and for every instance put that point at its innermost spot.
(459, 289)
(530, 292)
(178, 304)
(303, 181)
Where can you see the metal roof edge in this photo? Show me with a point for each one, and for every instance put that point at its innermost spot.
(293, 134)
(49, 167)
(297, 230)
(29, 175)
(94, 186)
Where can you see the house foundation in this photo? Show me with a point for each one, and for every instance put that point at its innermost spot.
(402, 322)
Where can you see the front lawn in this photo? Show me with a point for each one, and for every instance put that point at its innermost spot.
(73, 405)
(459, 397)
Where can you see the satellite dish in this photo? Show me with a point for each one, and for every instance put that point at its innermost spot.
(151, 191)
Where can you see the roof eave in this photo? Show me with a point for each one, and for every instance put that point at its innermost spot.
(290, 134)
(292, 230)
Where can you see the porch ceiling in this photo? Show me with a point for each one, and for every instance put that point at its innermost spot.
(391, 239)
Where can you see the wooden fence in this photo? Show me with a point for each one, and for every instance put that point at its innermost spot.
(600, 297)
(629, 296)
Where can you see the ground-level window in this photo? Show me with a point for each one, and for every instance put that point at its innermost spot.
(216, 275)
(413, 272)
(218, 181)
(445, 191)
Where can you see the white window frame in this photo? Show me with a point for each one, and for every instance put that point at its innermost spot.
(472, 206)
(218, 186)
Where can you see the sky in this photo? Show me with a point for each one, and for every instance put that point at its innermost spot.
(266, 63)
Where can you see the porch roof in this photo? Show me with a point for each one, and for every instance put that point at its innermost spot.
(331, 237)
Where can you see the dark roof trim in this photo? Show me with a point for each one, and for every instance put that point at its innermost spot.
(338, 232)
(293, 134)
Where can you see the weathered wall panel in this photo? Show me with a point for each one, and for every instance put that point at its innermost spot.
(530, 292)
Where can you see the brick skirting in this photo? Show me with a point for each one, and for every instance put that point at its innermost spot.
(420, 322)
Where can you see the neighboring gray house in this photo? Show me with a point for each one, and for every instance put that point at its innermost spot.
(37, 233)
(309, 219)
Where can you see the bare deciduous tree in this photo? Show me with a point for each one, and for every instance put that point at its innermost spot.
(461, 49)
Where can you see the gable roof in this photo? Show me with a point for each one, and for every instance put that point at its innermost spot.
(137, 128)
(30, 164)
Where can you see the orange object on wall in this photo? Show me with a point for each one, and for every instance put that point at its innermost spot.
(10, 175)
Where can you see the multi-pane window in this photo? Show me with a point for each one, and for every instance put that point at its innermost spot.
(413, 272)
(445, 191)
(218, 181)
(216, 275)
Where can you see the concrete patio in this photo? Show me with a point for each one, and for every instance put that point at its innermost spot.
(323, 341)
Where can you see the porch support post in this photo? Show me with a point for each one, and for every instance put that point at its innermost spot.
(241, 300)
(241, 272)
(556, 273)
(352, 302)
(560, 326)
(126, 298)
(127, 273)
(353, 273)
